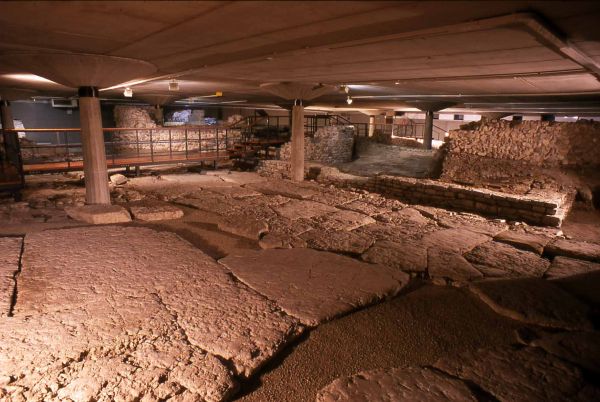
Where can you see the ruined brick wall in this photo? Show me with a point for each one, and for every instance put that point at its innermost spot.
(516, 157)
(166, 139)
(330, 145)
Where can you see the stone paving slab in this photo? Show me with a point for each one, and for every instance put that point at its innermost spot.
(574, 249)
(534, 301)
(241, 224)
(314, 286)
(239, 178)
(344, 220)
(10, 252)
(562, 267)
(338, 241)
(580, 348)
(208, 201)
(405, 255)
(458, 240)
(517, 375)
(235, 192)
(296, 209)
(495, 259)
(448, 265)
(99, 214)
(363, 207)
(396, 384)
(285, 188)
(126, 284)
(584, 287)
(155, 212)
(524, 241)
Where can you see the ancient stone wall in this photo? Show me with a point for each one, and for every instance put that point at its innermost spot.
(166, 139)
(330, 145)
(537, 143)
(520, 157)
(546, 209)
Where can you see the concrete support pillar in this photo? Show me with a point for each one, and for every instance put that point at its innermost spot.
(7, 118)
(428, 130)
(371, 125)
(92, 143)
(297, 156)
(9, 143)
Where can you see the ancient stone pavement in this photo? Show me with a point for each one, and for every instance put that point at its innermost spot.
(218, 273)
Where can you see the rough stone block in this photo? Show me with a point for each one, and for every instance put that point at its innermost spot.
(99, 214)
(155, 212)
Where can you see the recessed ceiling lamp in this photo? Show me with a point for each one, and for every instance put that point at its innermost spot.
(173, 85)
(397, 83)
(128, 92)
(349, 100)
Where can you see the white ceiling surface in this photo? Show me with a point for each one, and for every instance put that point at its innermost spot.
(430, 48)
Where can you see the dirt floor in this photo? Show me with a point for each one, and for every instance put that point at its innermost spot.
(268, 290)
(374, 158)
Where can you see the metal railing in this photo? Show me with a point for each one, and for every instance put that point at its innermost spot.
(411, 129)
(60, 149)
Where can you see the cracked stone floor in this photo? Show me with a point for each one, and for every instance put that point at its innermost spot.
(268, 290)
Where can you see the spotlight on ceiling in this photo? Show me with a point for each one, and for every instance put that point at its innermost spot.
(128, 92)
(173, 85)
(397, 82)
(349, 100)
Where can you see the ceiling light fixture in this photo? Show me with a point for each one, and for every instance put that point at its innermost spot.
(173, 85)
(128, 92)
(349, 100)
(397, 83)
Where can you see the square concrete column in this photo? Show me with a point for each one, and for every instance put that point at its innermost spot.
(92, 143)
(297, 154)
(428, 130)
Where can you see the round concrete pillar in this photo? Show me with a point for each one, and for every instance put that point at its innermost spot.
(428, 130)
(92, 143)
(10, 149)
(371, 125)
(297, 154)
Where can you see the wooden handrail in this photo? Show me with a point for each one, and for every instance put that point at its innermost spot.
(111, 129)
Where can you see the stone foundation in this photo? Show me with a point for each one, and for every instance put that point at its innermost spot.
(330, 145)
(548, 210)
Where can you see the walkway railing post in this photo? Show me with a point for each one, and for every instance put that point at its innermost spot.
(186, 143)
(151, 147)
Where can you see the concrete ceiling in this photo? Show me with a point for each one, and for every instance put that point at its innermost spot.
(502, 56)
